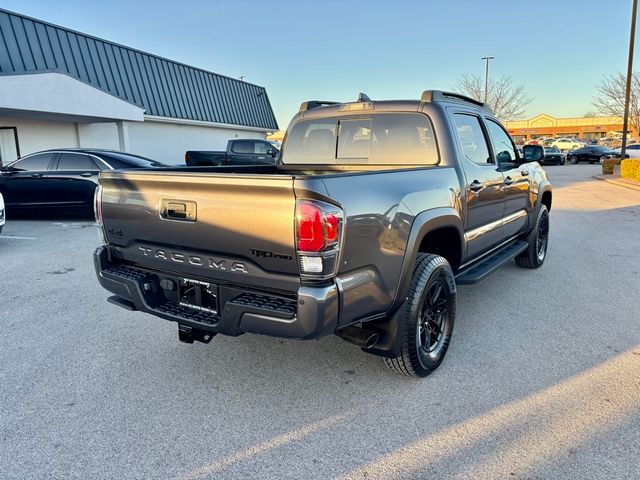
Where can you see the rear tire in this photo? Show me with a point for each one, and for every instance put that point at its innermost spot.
(573, 159)
(430, 312)
(538, 239)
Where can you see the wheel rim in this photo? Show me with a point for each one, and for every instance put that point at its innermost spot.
(433, 318)
(543, 237)
(602, 158)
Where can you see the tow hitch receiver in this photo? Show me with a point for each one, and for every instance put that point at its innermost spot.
(187, 334)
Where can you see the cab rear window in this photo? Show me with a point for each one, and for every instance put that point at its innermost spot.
(379, 139)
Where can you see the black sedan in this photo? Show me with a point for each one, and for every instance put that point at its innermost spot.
(591, 154)
(64, 180)
(552, 156)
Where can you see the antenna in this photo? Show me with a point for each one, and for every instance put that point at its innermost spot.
(363, 97)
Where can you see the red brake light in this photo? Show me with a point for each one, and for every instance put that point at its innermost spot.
(332, 225)
(310, 231)
(317, 226)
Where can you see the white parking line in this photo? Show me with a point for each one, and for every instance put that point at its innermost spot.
(17, 238)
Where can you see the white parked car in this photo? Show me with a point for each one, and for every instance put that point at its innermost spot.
(633, 150)
(2, 215)
(566, 143)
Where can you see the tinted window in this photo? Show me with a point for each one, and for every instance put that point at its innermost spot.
(311, 141)
(377, 139)
(127, 160)
(354, 139)
(242, 146)
(403, 139)
(75, 161)
(262, 148)
(502, 144)
(472, 139)
(34, 162)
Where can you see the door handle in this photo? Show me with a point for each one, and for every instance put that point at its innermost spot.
(86, 174)
(524, 173)
(36, 175)
(508, 181)
(476, 186)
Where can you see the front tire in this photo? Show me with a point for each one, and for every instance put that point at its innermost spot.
(430, 312)
(573, 159)
(538, 239)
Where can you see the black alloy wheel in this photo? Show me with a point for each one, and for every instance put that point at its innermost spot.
(432, 321)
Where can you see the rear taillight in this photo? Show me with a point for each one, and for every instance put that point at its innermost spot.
(97, 211)
(318, 232)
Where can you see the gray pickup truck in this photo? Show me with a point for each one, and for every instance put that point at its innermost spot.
(375, 211)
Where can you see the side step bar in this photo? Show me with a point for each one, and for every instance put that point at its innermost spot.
(478, 271)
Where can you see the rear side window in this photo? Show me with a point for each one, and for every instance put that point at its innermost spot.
(242, 146)
(75, 161)
(472, 139)
(379, 139)
(34, 162)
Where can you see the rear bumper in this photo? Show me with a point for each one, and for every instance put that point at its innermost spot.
(312, 313)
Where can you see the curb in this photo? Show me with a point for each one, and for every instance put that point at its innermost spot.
(631, 186)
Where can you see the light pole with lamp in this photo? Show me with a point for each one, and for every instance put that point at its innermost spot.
(486, 77)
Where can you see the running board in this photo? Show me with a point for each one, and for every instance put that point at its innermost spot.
(478, 271)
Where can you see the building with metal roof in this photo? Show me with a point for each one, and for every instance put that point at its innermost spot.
(62, 88)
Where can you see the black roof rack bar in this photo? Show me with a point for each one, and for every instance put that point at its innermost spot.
(308, 105)
(429, 96)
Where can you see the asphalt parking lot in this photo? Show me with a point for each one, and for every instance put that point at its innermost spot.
(542, 379)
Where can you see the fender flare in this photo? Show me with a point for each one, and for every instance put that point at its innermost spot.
(425, 222)
(543, 187)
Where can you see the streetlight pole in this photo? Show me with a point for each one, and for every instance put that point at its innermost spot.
(486, 76)
(627, 94)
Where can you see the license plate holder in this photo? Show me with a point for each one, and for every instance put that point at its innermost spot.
(202, 296)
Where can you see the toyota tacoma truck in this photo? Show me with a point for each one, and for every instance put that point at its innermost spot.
(374, 213)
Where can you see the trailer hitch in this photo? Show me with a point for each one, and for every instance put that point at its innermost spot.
(187, 334)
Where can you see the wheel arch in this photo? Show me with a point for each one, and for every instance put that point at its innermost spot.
(426, 227)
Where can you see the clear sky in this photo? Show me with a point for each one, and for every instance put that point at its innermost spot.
(331, 50)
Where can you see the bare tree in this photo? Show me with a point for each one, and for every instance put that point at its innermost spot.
(610, 97)
(507, 100)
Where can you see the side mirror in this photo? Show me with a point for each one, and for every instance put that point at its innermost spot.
(273, 152)
(533, 153)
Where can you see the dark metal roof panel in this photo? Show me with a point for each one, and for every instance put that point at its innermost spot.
(162, 87)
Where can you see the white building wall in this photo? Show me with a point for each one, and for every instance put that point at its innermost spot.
(98, 135)
(167, 142)
(35, 135)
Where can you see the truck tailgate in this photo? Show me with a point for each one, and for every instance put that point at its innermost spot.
(225, 227)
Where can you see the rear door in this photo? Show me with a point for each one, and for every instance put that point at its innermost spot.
(73, 180)
(24, 185)
(516, 178)
(484, 185)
